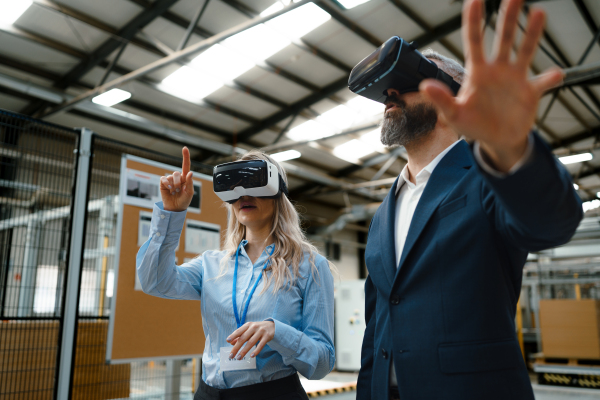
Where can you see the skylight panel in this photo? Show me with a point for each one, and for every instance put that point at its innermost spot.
(286, 155)
(257, 43)
(339, 118)
(112, 97)
(190, 84)
(352, 150)
(298, 22)
(373, 139)
(222, 63)
(12, 10)
(366, 107)
(349, 4)
(310, 130)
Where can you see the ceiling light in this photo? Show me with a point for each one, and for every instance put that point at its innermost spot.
(13, 9)
(576, 186)
(591, 205)
(257, 43)
(576, 158)
(190, 84)
(310, 130)
(348, 4)
(598, 194)
(352, 151)
(298, 22)
(366, 107)
(373, 140)
(222, 63)
(112, 97)
(286, 155)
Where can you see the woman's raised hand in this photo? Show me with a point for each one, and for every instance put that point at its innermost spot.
(177, 189)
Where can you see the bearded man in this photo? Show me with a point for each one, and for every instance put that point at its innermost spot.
(446, 248)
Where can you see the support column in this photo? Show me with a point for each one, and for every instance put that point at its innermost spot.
(71, 302)
(173, 380)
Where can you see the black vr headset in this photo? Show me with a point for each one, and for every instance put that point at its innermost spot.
(395, 65)
(256, 178)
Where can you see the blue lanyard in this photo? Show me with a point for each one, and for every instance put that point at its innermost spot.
(235, 271)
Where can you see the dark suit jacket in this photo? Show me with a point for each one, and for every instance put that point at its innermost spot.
(447, 312)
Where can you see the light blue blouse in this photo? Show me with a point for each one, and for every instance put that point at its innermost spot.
(303, 314)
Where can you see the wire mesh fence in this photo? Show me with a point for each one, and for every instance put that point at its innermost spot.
(93, 378)
(37, 164)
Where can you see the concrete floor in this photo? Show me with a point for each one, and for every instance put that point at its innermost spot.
(148, 383)
(541, 392)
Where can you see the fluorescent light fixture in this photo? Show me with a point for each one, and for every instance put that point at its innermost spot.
(576, 158)
(598, 194)
(222, 63)
(310, 130)
(257, 43)
(591, 205)
(576, 186)
(112, 97)
(373, 140)
(352, 151)
(13, 9)
(190, 84)
(298, 22)
(286, 155)
(366, 107)
(348, 4)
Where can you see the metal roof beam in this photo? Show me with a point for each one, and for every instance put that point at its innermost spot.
(127, 33)
(578, 137)
(182, 54)
(145, 45)
(89, 62)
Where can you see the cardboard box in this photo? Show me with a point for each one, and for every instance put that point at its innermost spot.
(570, 328)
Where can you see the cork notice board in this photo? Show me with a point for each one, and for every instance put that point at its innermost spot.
(143, 326)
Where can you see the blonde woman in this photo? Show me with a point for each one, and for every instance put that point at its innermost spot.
(266, 299)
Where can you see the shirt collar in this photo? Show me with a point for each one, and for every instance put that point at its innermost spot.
(426, 172)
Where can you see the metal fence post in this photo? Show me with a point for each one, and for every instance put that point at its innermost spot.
(173, 380)
(71, 303)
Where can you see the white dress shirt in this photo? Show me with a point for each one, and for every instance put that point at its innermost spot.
(408, 195)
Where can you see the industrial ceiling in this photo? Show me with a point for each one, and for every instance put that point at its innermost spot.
(247, 74)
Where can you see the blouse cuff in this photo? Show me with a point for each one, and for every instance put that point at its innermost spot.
(166, 225)
(286, 340)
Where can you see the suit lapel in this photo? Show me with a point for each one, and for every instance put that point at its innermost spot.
(387, 236)
(444, 177)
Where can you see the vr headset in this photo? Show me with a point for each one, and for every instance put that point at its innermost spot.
(256, 178)
(398, 65)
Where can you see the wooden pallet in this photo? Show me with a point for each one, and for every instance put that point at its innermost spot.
(573, 372)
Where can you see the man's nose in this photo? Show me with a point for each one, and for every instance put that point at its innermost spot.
(392, 92)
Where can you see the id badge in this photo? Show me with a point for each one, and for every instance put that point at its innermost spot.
(236, 365)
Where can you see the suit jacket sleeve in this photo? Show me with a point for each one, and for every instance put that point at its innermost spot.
(536, 207)
(366, 368)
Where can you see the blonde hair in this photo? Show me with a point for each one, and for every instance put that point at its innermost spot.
(289, 239)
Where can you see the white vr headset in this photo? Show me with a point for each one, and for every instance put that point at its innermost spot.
(256, 178)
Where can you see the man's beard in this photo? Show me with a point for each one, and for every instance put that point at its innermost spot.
(407, 123)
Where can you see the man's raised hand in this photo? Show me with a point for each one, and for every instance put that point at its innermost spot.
(177, 189)
(497, 103)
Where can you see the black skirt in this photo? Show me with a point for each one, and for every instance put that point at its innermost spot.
(288, 388)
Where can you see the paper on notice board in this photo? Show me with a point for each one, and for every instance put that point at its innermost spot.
(201, 236)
